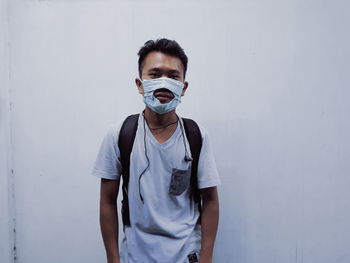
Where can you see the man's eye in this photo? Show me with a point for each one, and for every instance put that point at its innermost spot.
(152, 74)
(174, 76)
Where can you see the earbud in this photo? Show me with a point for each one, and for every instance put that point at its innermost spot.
(188, 159)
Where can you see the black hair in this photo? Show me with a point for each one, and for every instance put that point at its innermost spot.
(166, 46)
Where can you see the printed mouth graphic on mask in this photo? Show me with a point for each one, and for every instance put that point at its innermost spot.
(163, 94)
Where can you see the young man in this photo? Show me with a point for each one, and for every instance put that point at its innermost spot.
(164, 223)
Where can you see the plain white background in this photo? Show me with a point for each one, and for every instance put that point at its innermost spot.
(268, 79)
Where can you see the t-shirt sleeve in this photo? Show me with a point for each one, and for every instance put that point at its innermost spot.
(208, 175)
(107, 164)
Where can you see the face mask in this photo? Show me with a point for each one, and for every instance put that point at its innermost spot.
(150, 85)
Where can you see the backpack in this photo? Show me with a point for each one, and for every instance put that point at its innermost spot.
(125, 143)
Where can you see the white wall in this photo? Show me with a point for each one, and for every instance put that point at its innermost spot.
(268, 79)
(6, 201)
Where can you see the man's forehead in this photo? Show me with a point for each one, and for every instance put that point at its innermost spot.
(157, 59)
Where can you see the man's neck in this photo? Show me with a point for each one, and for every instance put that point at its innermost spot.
(158, 120)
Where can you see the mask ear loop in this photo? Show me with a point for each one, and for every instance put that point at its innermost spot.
(144, 143)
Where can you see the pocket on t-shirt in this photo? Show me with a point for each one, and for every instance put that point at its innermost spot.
(180, 181)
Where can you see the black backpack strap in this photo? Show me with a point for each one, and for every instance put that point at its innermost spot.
(194, 138)
(125, 143)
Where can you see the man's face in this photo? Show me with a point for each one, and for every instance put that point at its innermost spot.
(157, 65)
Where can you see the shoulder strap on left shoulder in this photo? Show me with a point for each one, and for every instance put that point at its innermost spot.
(194, 138)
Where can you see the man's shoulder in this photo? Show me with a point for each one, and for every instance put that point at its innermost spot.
(113, 130)
(115, 127)
(202, 129)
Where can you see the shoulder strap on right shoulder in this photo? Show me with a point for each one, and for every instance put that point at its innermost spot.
(126, 140)
(194, 137)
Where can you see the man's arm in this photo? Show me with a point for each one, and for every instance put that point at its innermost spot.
(209, 223)
(109, 218)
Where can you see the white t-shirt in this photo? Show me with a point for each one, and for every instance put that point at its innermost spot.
(163, 226)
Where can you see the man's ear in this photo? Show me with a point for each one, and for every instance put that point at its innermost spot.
(139, 86)
(185, 88)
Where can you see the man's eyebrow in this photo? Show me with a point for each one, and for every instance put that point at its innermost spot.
(174, 71)
(171, 71)
(154, 69)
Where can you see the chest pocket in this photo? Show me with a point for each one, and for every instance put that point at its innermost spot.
(180, 181)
